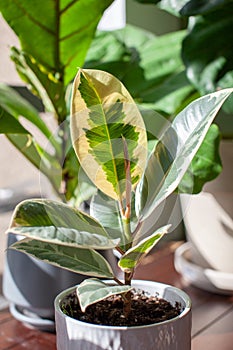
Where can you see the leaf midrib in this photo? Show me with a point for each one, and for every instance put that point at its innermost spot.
(110, 144)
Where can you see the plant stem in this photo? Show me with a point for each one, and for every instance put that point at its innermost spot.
(127, 296)
(127, 229)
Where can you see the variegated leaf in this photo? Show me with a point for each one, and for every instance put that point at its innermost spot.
(134, 255)
(102, 114)
(58, 223)
(93, 290)
(84, 261)
(175, 151)
(66, 236)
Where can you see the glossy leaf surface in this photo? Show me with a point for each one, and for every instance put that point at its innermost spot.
(135, 254)
(175, 151)
(205, 166)
(103, 115)
(39, 212)
(84, 261)
(93, 290)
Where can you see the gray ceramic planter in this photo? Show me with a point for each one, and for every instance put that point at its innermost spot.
(31, 286)
(174, 334)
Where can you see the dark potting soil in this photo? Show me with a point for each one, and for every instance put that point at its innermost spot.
(145, 310)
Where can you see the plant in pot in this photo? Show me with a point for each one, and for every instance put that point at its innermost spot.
(110, 140)
(131, 54)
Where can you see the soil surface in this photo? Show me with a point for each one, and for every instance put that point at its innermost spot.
(145, 310)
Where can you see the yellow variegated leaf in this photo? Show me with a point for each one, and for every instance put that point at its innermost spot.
(104, 120)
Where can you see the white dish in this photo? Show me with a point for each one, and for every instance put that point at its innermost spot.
(205, 278)
(31, 320)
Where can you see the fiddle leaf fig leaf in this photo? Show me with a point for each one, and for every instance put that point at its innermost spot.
(64, 39)
(175, 151)
(84, 261)
(134, 255)
(102, 114)
(93, 290)
(56, 222)
(8, 124)
(41, 82)
(17, 106)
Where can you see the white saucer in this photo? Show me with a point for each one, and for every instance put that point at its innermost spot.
(208, 279)
(31, 320)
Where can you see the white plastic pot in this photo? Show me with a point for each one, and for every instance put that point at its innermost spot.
(174, 334)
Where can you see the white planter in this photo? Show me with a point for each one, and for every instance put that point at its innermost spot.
(208, 218)
(207, 261)
(174, 334)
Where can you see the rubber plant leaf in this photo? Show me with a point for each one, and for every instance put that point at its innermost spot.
(107, 212)
(93, 290)
(55, 222)
(84, 261)
(134, 255)
(175, 151)
(103, 115)
(61, 40)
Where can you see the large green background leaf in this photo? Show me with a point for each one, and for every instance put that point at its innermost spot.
(56, 33)
(150, 67)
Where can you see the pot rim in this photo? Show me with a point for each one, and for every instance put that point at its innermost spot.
(136, 283)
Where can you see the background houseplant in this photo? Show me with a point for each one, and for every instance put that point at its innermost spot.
(110, 140)
(208, 68)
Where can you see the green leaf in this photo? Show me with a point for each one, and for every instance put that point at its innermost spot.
(93, 290)
(134, 255)
(107, 212)
(175, 151)
(66, 236)
(103, 113)
(27, 145)
(58, 33)
(205, 166)
(17, 106)
(173, 6)
(84, 261)
(208, 64)
(150, 67)
(190, 7)
(193, 7)
(42, 212)
(9, 124)
(41, 82)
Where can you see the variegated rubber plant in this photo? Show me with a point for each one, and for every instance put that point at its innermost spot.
(110, 141)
